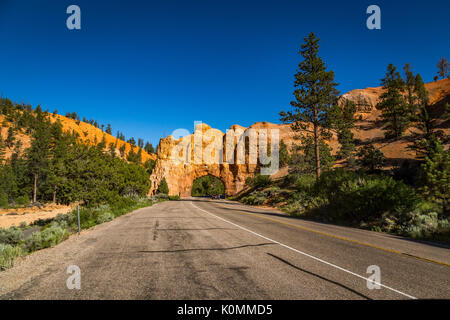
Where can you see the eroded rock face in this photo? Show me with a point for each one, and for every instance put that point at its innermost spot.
(231, 157)
(180, 164)
(367, 99)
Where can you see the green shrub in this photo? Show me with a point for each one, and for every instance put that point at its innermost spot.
(364, 197)
(123, 205)
(48, 237)
(12, 236)
(172, 198)
(253, 200)
(69, 218)
(22, 200)
(370, 158)
(105, 217)
(160, 196)
(8, 254)
(305, 182)
(163, 187)
(258, 181)
(426, 226)
(301, 202)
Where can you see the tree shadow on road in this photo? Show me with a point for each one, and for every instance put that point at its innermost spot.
(318, 276)
(208, 249)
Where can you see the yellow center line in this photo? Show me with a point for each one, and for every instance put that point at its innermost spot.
(338, 237)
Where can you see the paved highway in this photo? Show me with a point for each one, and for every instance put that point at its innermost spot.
(217, 249)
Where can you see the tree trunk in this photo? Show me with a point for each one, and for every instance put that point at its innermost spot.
(35, 187)
(54, 194)
(316, 144)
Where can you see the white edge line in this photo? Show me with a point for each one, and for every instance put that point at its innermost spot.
(305, 254)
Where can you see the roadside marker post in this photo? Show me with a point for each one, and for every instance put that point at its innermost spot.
(78, 215)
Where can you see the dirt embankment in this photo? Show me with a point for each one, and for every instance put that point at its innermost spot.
(15, 216)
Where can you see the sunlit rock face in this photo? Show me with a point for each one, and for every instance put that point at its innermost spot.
(231, 156)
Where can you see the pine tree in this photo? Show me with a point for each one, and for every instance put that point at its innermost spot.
(132, 141)
(437, 176)
(2, 148)
(122, 151)
(108, 129)
(426, 140)
(342, 120)
(370, 158)
(60, 148)
(410, 83)
(102, 144)
(38, 155)
(163, 187)
(284, 154)
(149, 148)
(149, 165)
(394, 109)
(112, 150)
(316, 92)
(139, 156)
(302, 159)
(443, 68)
(11, 138)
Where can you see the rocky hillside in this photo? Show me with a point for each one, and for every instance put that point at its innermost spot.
(87, 133)
(369, 127)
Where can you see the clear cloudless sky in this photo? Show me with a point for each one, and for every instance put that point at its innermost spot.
(150, 67)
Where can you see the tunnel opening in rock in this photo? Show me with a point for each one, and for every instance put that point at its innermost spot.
(208, 185)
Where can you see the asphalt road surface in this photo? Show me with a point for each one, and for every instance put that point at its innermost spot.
(216, 249)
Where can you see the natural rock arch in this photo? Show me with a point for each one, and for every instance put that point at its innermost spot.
(180, 176)
(220, 189)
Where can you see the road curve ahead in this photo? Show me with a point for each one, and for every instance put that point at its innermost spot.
(208, 249)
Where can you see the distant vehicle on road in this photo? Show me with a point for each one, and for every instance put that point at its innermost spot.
(218, 196)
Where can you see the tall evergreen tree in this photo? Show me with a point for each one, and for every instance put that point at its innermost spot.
(38, 155)
(426, 140)
(139, 156)
(410, 82)
(284, 154)
(10, 138)
(2, 148)
(342, 120)
(132, 141)
(102, 144)
(149, 148)
(122, 150)
(443, 68)
(62, 146)
(314, 94)
(394, 109)
(108, 129)
(112, 150)
(437, 176)
(149, 165)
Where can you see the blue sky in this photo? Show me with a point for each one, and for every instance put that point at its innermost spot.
(150, 67)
